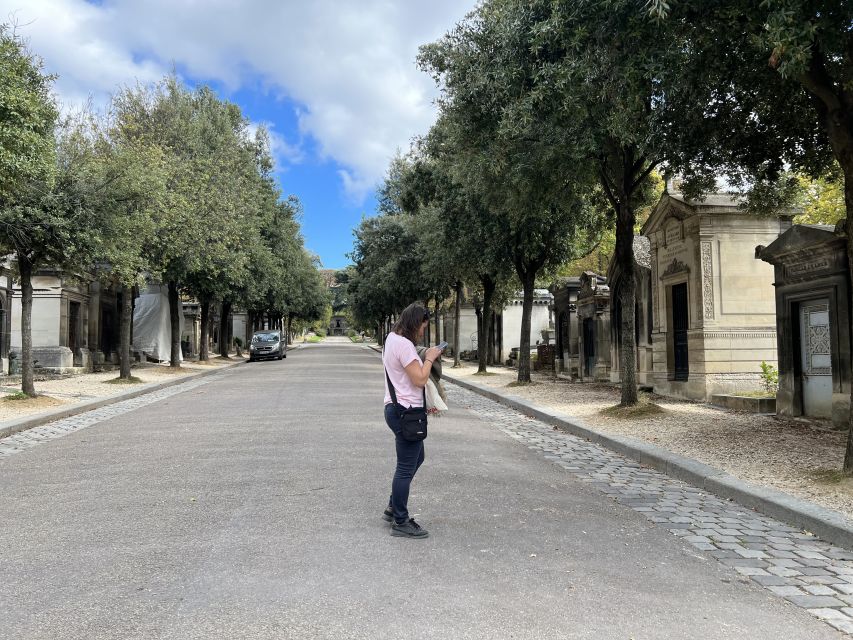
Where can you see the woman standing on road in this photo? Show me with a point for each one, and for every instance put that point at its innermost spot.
(409, 376)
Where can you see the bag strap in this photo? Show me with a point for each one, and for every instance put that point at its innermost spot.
(391, 387)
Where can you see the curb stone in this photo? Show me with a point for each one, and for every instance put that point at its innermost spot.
(11, 427)
(824, 523)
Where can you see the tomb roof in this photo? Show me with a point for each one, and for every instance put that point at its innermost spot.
(678, 206)
(799, 239)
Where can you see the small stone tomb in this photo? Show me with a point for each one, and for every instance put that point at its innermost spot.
(811, 279)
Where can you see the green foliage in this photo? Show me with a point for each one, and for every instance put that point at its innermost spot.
(28, 114)
(130, 380)
(769, 378)
(821, 199)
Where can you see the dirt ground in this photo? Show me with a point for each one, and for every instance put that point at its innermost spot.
(800, 457)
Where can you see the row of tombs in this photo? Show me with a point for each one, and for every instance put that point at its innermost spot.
(719, 292)
(75, 323)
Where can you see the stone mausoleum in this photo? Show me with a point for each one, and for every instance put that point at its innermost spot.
(811, 279)
(60, 322)
(565, 291)
(593, 310)
(714, 318)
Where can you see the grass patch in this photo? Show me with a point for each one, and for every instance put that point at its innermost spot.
(18, 395)
(831, 476)
(314, 339)
(645, 408)
(483, 373)
(130, 380)
(753, 394)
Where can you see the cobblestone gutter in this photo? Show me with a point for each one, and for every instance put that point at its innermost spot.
(793, 564)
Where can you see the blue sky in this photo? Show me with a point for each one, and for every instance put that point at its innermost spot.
(335, 81)
(330, 212)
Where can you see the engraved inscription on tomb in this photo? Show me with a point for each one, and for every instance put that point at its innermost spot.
(673, 234)
(808, 267)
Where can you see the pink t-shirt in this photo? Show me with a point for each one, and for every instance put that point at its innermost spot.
(400, 353)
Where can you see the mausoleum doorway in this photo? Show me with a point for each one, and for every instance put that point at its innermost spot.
(816, 358)
(74, 333)
(3, 333)
(588, 347)
(680, 325)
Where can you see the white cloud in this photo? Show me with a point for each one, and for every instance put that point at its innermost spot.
(349, 62)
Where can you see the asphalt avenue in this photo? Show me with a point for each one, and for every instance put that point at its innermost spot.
(249, 506)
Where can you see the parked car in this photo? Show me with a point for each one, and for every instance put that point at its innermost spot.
(267, 344)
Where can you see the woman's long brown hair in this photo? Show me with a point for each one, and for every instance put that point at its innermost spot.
(409, 323)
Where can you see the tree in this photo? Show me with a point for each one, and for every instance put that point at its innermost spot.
(821, 199)
(128, 183)
(769, 90)
(387, 271)
(518, 165)
(206, 167)
(48, 224)
(31, 216)
(28, 115)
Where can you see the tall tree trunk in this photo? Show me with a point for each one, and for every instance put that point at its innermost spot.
(175, 318)
(289, 328)
(456, 318)
(847, 165)
(124, 332)
(625, 220)
(25, 267)
(224, 333)
(528, 281)
(204, 346)
(437, 321)
(489, 286)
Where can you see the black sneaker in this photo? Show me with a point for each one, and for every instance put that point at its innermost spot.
(408, 529)
(388, 515)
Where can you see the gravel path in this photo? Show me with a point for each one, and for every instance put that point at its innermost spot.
(796, 456)
(91, 386)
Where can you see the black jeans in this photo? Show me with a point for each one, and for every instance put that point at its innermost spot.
(410, 456)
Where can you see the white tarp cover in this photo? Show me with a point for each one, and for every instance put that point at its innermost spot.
(152, 328)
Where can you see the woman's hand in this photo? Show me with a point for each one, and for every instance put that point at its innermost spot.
(419, 372)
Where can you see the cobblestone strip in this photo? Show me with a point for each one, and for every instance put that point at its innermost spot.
(31, 437)
(791, 563)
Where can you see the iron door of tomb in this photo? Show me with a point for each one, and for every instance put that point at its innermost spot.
(816, 359)
(679, 331)
(74, 333)
(589, 346)
(2, 331)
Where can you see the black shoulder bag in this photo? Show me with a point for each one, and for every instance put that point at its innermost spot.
(413, 421)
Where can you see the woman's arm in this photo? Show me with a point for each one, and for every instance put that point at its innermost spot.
(419, 372)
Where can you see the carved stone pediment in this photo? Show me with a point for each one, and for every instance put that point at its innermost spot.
(676, 267)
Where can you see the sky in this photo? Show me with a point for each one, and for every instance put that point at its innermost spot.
(334, 81)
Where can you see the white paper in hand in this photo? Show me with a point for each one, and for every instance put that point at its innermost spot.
(434, 403)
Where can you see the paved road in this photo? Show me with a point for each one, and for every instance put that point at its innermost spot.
(249, 507)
